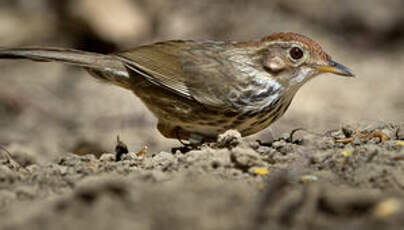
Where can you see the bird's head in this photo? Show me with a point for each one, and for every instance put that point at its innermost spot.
(294, 59)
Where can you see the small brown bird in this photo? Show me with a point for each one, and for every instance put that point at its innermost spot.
(199, 89)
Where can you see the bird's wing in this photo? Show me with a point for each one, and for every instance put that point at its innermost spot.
(190, 69)
(159, 63)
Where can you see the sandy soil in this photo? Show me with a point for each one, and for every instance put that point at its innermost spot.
(349, 178)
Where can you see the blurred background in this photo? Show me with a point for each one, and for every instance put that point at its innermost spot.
(47, 109)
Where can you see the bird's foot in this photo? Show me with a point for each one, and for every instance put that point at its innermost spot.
(195, 142)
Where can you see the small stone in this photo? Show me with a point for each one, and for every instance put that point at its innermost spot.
(164, 160)
(400, 133)
(356, 141)
(69, 160)
(387, 133)
(7, 160)
(33, 168)
(347, 131)
(63, 170)
(23, 158)
(278, 144)
(338, 134)
(374, 140)
(285, 149)
(88, 158)
(129, 156)
(230, 139)
(7, 176)
(245, 158)
(339, 145)
(285, 136)
(107, 157)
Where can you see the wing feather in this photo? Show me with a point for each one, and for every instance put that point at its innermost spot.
(160, 64)
(201, 71)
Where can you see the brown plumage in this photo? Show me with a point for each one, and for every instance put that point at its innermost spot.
(198, 89)
(308, 42)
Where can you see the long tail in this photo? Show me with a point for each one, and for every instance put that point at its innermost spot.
(103, 67)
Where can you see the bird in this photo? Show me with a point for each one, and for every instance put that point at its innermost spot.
(199, 89)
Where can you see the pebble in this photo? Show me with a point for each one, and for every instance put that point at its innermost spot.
(347, 131)
(230, 139)
(356, 141)
(278, 144)
(400, 133)
(389, 133)
(130, 156)
(246, 158)
(107, 157)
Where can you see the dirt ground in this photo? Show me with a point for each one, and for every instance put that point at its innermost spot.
(342, 170)
(351, 178)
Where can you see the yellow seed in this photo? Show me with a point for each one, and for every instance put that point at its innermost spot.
(399, 143)
(261, 171)
(387, 208)
(142, 152)
(308, 178)
(91, 166)
(261, 187)
(346, 153)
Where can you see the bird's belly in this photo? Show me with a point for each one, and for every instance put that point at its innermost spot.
(254, 121)
(246, 123)
(194, 118)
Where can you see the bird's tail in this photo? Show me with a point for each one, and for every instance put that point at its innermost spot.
(103, 67)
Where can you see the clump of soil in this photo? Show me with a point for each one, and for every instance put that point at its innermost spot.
(351, 178)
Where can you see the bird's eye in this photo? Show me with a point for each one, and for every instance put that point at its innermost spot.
(296, 53)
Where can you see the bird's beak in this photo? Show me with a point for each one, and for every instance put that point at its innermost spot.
(335, 68)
